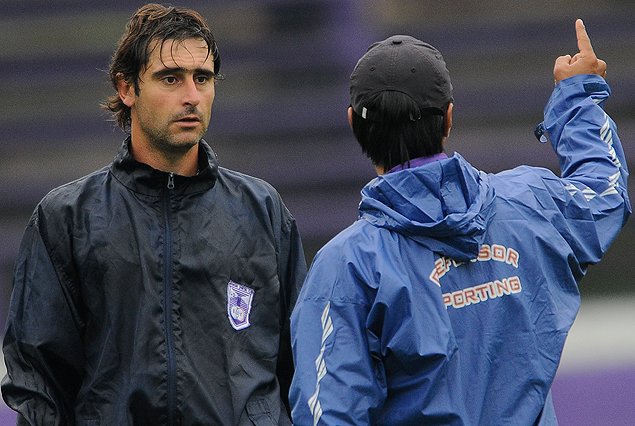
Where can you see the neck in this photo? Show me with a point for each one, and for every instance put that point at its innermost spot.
(183, 162)
(415, 162)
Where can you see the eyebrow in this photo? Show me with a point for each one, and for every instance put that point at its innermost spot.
(179, 70)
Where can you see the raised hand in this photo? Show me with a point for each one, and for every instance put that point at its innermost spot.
(584, 62)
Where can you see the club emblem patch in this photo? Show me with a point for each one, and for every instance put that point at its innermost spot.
(239, 298)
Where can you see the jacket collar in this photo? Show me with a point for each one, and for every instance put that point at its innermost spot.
(142, 178)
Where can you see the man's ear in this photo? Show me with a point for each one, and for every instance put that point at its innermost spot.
(350, 116)
(126, 91)
(448, 120)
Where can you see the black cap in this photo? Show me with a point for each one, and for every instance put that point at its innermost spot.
(404, 64)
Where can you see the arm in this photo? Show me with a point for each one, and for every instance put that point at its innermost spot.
(292, 271)
(592, 162)
(42, 346)
(335, 381)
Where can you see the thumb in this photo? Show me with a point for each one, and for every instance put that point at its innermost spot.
(561, 67)
(562, 62)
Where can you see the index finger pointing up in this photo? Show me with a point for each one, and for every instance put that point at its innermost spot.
(584, 43)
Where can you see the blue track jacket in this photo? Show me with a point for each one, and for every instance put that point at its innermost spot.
(448, 302)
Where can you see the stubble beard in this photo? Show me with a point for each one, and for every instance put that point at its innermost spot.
(174, 144)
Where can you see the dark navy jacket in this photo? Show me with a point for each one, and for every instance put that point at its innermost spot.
(145, 298)
(448, 302)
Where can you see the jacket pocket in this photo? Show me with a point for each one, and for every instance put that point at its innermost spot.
(259, 412)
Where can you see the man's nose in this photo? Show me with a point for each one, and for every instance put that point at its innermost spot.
(191, 95)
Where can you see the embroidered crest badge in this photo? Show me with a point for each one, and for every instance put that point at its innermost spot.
(239, 298)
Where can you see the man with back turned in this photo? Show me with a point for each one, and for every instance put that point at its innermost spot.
(449, 300)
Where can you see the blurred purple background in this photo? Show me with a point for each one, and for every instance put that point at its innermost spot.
(281, 115)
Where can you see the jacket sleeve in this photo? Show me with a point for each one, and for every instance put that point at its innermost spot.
(42, 345)
(336, 382)
(592, 162)
(292, 272)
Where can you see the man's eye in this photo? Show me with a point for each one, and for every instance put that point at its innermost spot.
(202, 79)
(169, 79)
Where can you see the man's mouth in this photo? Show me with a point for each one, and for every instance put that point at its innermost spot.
(189, 119)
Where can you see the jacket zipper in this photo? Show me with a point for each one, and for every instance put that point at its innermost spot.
(167, 304)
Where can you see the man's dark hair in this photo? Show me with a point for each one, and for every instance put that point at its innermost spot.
(395, 136)
(153, 23)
